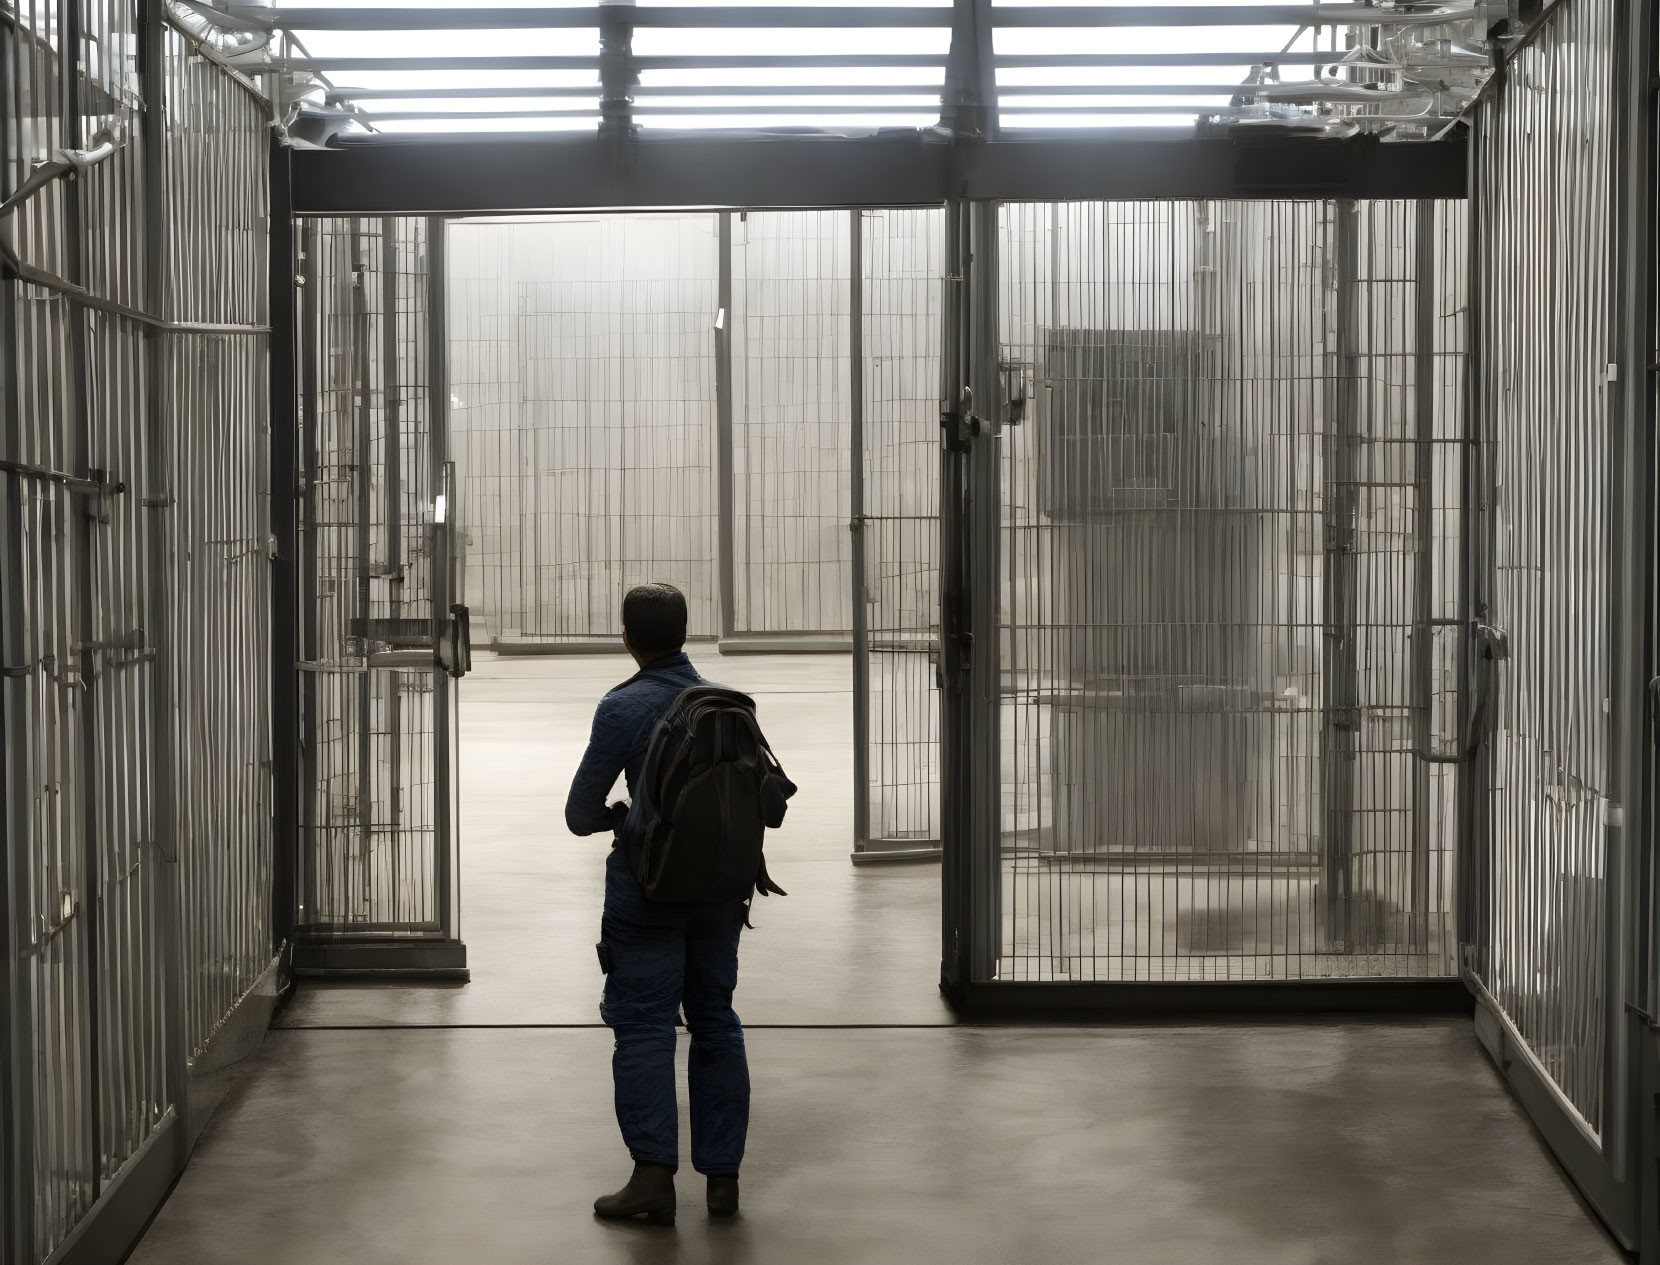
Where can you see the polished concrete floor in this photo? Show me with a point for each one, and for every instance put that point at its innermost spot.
(1331, 1145)
(847, 945)
(881, 1131)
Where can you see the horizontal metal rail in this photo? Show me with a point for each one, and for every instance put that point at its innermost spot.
(820, 17)
(110, 307)
(834, 61)
(857, 107)
(74, 483)
(930, 90)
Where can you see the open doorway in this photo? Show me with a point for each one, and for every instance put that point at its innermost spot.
(742, 404)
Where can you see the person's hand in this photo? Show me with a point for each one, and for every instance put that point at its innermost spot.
(619, 814)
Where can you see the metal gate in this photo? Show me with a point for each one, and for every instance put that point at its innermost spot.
(1202, 616)
(898, 266)
(1561, 839)
(381, 640)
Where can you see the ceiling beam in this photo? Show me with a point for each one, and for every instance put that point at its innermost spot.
(490, 175)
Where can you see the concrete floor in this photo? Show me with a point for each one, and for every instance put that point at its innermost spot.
(901, 1138)
(847, 945)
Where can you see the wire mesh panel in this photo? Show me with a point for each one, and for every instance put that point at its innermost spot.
(791, 445)
(217, 436)
(1219, 550)
(378, 854)
(1545, 269)
(583, 379)
(898, 531)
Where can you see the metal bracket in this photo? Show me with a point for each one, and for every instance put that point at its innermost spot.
(73, 483)
(956, 434)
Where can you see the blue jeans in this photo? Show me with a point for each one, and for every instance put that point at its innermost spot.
(660, 958)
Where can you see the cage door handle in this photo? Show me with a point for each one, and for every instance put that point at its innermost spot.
(455, 646)
(1489, 646)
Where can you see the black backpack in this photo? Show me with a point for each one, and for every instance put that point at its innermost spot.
(709, 789)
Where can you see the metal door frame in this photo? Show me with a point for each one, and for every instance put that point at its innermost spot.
(970, 562)
(386, 949)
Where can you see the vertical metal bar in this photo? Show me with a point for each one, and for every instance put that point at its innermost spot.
(391, 401)
(1632, 352)
(956, 713)
(445, 804)
(392, 432)
(970, 703)
(285, 611)
(307, 548)
(163, 499)
(1423, 561)
(617, 74)
(75, 271)
(1475, 587)
(363, 379)
(723, 433)
(17, 1096)
(968, 104)
(856, 522)
(984, 529)
(1341, 718)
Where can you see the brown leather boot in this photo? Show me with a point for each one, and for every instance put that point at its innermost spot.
(649, 1193)
(723, 1196)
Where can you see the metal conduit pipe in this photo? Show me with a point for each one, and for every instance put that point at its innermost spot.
(249, 39)
(65, 162)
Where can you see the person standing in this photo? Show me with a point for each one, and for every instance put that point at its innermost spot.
(661, 958)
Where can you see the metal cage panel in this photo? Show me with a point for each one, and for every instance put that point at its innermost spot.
(791, 422)
(584, 410)
(217, 396)
(379, 849)
(135, 563)
(1222, 545)
(897, 530)
(1547, 401)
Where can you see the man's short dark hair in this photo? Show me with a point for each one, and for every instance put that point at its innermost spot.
(654, 617)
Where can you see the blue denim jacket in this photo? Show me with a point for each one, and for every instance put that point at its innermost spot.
(623, 724)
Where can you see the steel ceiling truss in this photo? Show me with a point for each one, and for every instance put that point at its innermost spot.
(1398, 68)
